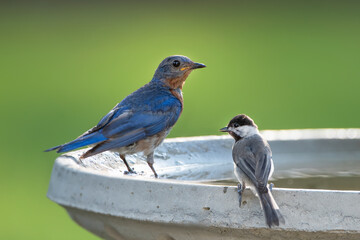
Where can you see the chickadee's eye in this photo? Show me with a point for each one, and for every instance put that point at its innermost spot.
(236, 125)
(176, 63)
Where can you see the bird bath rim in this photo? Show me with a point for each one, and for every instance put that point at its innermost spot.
(92, 196)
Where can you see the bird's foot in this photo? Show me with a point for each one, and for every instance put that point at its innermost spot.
(153, 169)
(130, 171)
(155, 175)
(240, 190)
(271, 185)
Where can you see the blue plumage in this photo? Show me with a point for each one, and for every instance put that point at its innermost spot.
(81, 142)
(141, 121)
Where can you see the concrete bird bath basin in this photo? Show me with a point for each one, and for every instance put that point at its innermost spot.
(183, 205)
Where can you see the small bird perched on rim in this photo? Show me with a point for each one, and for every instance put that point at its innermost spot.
(141, 121)
(253, 165)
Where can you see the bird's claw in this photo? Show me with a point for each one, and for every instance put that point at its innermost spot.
(271, 185)
(130, 172)
(240, 190)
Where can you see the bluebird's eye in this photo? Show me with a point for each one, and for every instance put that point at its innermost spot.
(236, 125)
(176, 63)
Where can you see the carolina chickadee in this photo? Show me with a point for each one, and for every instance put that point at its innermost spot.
(253, 165)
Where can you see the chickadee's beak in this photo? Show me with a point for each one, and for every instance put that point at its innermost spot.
(224, 129)
(197, 65)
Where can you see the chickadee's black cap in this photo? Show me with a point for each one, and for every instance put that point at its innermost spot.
(242, 120)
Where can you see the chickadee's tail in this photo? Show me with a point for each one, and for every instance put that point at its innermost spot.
(271, 209)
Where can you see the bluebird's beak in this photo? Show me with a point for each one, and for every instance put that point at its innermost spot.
(224, 129)
(197, 65)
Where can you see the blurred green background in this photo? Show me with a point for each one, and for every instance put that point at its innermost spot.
(63, 65)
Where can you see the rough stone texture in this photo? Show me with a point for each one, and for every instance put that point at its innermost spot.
(112, 205)
(109, 227)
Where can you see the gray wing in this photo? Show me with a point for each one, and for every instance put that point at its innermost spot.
(253, 157)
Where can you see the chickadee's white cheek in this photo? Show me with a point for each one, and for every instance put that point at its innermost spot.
(246, 131)
(238, 131)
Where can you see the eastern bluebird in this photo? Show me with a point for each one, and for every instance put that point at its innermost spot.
(141, 121)
(253, 164)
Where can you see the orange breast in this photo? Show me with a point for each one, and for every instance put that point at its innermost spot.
(178, 96)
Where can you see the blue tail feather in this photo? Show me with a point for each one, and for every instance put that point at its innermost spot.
(79, 142)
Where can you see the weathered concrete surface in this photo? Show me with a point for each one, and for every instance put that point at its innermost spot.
(102, 199)
(110, 227)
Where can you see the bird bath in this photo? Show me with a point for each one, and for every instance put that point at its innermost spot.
(193, 199)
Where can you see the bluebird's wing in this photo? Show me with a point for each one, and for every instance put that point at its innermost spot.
(131, 127)
(254, 159)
